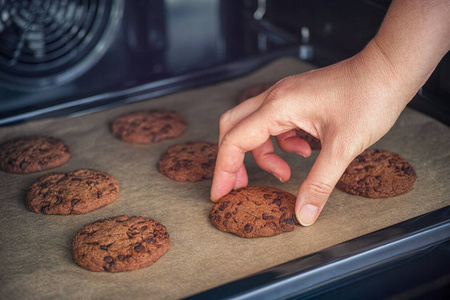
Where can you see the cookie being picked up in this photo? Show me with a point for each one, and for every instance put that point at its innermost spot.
(252, 212)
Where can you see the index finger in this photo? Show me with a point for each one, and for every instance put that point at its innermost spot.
(247, 135)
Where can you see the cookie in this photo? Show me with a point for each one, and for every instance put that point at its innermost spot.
(72, 193)
(31, 154)
(252, 212)
(313, 142)
(148, 126)
(378, 174)
(253, 91)
(120, 244)
(191, 161)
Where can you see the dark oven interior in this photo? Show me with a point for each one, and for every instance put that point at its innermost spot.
(71, 57)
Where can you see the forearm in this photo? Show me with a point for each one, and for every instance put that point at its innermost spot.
(413, 38)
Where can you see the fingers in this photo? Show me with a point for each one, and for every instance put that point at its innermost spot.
(233, 116)
(248, 134)
(270, 162)
(315, 190)
(290, 142)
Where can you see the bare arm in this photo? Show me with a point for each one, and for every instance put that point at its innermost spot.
(348, 106)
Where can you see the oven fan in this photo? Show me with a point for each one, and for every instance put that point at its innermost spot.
(44, 43)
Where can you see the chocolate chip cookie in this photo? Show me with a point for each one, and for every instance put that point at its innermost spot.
(253, 91)
(378, 174)
(31, 154)
(313, 142)
(252, 212)
(148, 126)
(72, 193)
(120, 244)
(191, 161)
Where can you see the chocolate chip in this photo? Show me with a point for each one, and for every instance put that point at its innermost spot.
(108, 259)
(44, 209)
(42, 164)
(277, 201)
(225, 223)
(289, 221)
(76, 179)
(59, 200)
(105, 247)
(267, 196)
(121, 257)
(408, 170)
(248, 227)
(360, 182)
(223, 206)
(205, 165)
(227, 215)
(283, 208)
(150, 240)
(378, 178)
(139, 248)
(74, 201)
(24, 164)
(99, 194)
(265, 216)
(166, 128)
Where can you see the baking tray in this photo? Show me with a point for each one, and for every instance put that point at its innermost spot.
(35, 249)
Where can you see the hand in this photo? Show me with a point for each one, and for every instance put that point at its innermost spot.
(348, 106)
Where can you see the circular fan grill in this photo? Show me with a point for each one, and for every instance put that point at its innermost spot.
(47, 42)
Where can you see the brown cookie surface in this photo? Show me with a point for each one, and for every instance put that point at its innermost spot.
(148, 126)
(31, 154)
(313, 142)
(120, 244)
(253, 91)
(72, 193)
(191, 161)
(252, 212)
(378, 174)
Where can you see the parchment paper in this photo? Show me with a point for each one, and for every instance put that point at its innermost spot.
(35, 259)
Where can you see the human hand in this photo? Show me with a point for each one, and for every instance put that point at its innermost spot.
(348, 106)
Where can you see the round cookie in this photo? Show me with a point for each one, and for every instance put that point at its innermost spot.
(313, 142)
(31, 154)
(253, 91)
(120, 244)
(191, 161)
(252, 212)
(72, 193)
(378, 174)
(148, 126)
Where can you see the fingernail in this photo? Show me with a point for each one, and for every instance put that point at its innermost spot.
(301, 154)
(279, 178)
(307, 214)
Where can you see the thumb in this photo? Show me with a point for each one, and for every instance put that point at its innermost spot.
(315, 190)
